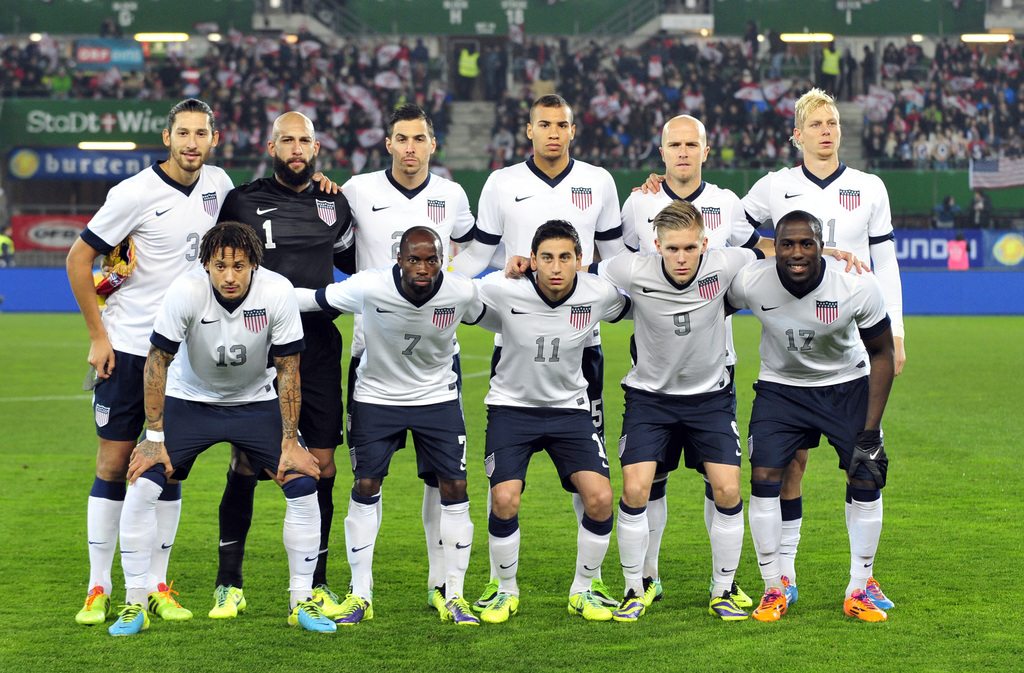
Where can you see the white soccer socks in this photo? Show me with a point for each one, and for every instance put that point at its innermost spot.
(657, 520)
(792, 519)
(102, 521)
(726, 537)
(301, 536)
(360, 537)
(432, 517)
(456, 531)
(865, 528)
(633, 533)
(138, 533)
(168, 513)
(503, 539)
(591, 546)
(766, 529)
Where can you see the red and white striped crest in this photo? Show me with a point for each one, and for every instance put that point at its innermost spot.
(712, 218)
(444, 316)
(102, 415)
(210, 204)
(255, 320)
(582, 197)
(827, 311)
(708, 287)
(849, 198)
(579, 317)
(435, 210)
(327, 212)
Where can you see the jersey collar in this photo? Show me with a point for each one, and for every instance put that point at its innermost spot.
(661, 265)
(407, 193)
(814, 286)
(553, 304)
(397, 273)
(283, 189)
(170, 182)
(691, 198)
(551, 182)
(827, 181)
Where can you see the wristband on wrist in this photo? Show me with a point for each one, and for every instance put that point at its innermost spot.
(154, 435)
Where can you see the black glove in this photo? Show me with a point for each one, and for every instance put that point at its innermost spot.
(869, 452)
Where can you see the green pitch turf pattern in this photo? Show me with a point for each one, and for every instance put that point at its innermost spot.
(950, 554)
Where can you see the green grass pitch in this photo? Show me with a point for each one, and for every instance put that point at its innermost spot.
(950, 556)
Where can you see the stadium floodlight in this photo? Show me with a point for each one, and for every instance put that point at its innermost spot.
(214, 37)
(986, 37)
(35, 37)
(806, 37)
(106, 145)
(161, 37)
(916, 38)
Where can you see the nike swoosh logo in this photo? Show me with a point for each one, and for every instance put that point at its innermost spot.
(763, 564)
(264, 211)
(650, 220)
(128, 552)
(158, 213)
(738, 453)
(790, 196)
(635, 565)
(375, 208)
(310, 560)
(356, 551)
(503, 567)
(204, 321)
(225, 544)
(463, 546)
(380, 310)
(166, 546)
(91, 542)
(873, 456)
(868, 565)
(648, 290)
(768, 308)
(523, 198)
(726, 572)
(515, 312)
(586, 567)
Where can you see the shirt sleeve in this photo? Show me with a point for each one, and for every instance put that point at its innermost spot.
(870, 305)
(757, 202)
(630, 237)
(489, 293)
(174, 317)
(116, 218)
(608, 230)
(285, 326)
(463, 230)
(617, 304)
(229, 211)
(741, 233)
(348, 295)
(887, 271)
(736, 297)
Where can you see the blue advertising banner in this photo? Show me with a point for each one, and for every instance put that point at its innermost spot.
(104, 54)
(28, 163)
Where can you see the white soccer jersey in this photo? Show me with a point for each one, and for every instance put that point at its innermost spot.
(223, 356)
(541, 363)
(812, 340)
(725, 222)
(410, 343)
(167, 221)
(383, 210)
(853, 207)
(679, 329)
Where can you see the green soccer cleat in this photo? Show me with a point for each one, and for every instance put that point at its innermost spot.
(739, 597)
(587, 606)
(631, 609)
(457, 610)
(162, 604)
(328, 601)
(308, 615)
(228, 602)
(652, 591)
(133, 619)
(96, 608)
(354, 609)
(501, 607)
(602, 593)
(726, 607)
(435, 599)
(487, 597)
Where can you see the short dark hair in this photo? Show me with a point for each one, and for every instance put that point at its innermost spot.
(420, 229)
(556, 229)
(231, 235)
(409, 112)
(552, 100)
(191, 105)
(801, 217)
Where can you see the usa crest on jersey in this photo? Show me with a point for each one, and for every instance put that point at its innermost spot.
(210, 204)
(255, 319)
(708, 287)
(712, 217)
(443, 317)
(582, 197)
(827, 311)
(849, 198)
(327, 212)
(435, 210)
(579, 317)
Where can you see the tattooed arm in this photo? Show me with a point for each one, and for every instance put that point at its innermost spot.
(149, 453)
(294, 458)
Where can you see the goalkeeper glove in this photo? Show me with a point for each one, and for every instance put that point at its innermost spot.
(869, 452)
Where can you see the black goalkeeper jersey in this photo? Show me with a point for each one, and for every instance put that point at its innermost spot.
(306, 233)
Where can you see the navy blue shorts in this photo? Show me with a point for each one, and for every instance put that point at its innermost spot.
(514, 434)
(322, 413)
(660, 428)
(118, 402)
(438, 431)
(192, 427)
(786, 419)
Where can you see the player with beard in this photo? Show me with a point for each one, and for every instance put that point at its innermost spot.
(306, 234)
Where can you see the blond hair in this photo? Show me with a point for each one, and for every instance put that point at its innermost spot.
(678, 216)
(808, 103)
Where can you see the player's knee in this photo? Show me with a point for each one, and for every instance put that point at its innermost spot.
(635, 494)
(452, 489)
(726, 495)
(505, 500)
(367, 487)
(597, 501)
(766, 474)
(325, 461)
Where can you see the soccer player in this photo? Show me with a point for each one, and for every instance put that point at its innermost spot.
(538, 400)
(827, 366)
(385, 204)
(232, 317)
(684, 149)
(165, 209)
(406, 382)
(680, 397)
(854, 209)
(305, 234)
(546, 186)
